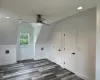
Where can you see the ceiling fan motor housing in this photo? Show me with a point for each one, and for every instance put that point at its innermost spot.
(39, 18)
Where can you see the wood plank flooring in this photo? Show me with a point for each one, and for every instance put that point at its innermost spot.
(36, 70)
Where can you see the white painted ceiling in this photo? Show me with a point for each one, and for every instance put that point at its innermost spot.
(52, 10)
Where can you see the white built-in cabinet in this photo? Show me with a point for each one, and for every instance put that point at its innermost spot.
(64, 44)
(57, 48)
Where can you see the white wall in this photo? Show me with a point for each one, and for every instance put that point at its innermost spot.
(83, 63)
(7, 58)
(25, 52)
(43, 37)
(98, 43)
(36, 32)
(44, 34)
(37, 28)
(8, 33)
(8, 41)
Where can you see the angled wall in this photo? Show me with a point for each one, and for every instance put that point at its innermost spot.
(8, 41)
(84, 26)
(44, 34)
(43, 38)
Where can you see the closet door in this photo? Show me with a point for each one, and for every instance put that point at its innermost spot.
(69, 49)
(58, 48)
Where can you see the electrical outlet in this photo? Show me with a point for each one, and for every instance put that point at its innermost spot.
(7, 51)
(42, 48)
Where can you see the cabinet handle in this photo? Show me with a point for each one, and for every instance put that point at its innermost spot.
(59, 50)
(73, 53)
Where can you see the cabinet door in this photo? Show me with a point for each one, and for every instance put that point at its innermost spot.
(58, 48)
(69, 45)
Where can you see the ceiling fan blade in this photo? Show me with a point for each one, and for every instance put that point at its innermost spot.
(45, 23)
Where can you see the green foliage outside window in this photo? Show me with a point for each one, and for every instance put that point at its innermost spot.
(24, 38)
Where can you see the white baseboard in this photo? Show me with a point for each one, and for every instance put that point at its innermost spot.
(8, 63)
(82, 76)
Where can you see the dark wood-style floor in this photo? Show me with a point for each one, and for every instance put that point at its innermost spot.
(36, 70)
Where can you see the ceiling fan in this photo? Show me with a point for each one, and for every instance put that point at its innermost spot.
(39, 19)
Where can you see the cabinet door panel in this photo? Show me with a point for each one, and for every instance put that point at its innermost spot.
(70, 39)
(70, 44)
(58, 47)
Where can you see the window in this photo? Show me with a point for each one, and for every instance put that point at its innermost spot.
(24, 38)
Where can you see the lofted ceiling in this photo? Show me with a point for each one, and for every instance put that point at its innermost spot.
(52, 10)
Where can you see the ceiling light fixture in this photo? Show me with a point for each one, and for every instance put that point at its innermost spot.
(7, 17)
(80, 8)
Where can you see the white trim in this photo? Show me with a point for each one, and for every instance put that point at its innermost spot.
(82, 76)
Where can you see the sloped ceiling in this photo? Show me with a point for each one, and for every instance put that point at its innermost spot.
(52, 10)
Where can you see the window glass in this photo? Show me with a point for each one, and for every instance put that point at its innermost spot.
(24, 38)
